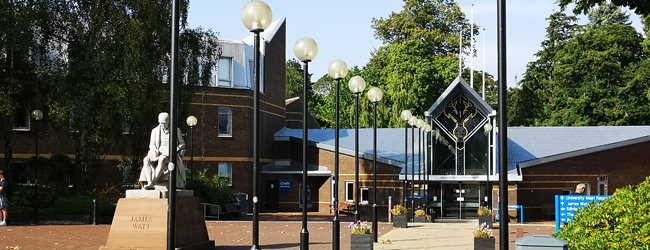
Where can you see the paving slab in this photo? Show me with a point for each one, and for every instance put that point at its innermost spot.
(439, 235)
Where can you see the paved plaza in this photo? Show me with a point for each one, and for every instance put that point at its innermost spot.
(236, 235)
(455, 235)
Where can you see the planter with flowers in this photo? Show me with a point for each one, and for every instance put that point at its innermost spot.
(485, 216)
(420, 216)
(399, 216)
(430, 219)
(483, 238)
(361, 237)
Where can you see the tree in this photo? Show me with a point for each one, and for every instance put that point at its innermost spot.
(641, 7)
(537, 88)
(294, 78)
(419, 57)
(607, 14)
(104, 66)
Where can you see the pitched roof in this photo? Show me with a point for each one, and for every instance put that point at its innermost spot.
(460, 85)
(529, 146)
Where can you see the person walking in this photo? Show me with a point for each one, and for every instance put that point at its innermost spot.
(4, 185)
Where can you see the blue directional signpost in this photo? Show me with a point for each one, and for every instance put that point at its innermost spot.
(567, 205)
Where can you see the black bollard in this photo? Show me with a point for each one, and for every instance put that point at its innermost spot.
(95, 212)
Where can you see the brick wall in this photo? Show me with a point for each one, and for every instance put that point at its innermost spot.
(622, 166)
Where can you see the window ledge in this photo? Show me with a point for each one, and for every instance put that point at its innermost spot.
(21, 129)
(225, 136)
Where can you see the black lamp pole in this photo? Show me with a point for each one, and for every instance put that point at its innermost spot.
(375, 224)
(336, 228)
(35, 172)
(503, 125)
(413, 173)
(304, 234)
(173, 133)
(420, 158)
(256, 142)
(192, 154)
(356, 158)
(406, 160)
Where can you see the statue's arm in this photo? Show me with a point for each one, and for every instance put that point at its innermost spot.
(152, 141)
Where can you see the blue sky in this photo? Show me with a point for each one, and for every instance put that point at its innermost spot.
(342, 28)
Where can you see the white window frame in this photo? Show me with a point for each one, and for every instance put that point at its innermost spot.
(218, 82)
(602, 182)
(229, 171)
(346, 191)
(364, 200)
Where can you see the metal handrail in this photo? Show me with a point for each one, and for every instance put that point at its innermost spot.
(207, 206)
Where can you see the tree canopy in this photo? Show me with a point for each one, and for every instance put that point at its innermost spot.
(641, 7)
(585, 75)
(97, 69)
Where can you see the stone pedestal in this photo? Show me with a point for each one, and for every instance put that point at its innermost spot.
(141, 223)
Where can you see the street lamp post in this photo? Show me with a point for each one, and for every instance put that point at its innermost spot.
(413, 121)
(428, 166)
(374, 95)
(406, 116)
(191, 121)
(488, 129)
(306, 50)
(256, 16)
(356, 85)
(37, 115)
(174, 93)
(419, 124)
(337, 70)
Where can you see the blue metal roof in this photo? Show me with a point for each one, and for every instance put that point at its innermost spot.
(531, 143)
(524, 143)
(390, 142)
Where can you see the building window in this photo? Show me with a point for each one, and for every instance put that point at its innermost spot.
(21, 119)
(566, 191)
(225, 121)
(602, 185)
(225, 72)
(365, 194)
(225, 171)
(349, 191)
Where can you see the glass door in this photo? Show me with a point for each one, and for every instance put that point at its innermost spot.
(452, 199)
(471, 200)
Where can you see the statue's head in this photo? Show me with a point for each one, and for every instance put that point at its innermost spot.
(163, 119)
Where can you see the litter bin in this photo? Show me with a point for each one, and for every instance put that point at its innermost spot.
(242, 203)
(541, 242)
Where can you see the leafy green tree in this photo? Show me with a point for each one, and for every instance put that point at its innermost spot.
(538, 88)
(100, 68)
(589, 75)
(419, 57)
(607, 14)
(641, 7)
(294, 78)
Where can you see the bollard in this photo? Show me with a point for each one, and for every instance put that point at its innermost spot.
(95, 212)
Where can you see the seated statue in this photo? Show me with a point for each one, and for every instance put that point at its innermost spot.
(155, 168)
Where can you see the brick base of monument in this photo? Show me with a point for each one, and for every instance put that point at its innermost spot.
(142, 224)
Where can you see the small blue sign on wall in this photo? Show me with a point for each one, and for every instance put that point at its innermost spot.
(285, 185)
